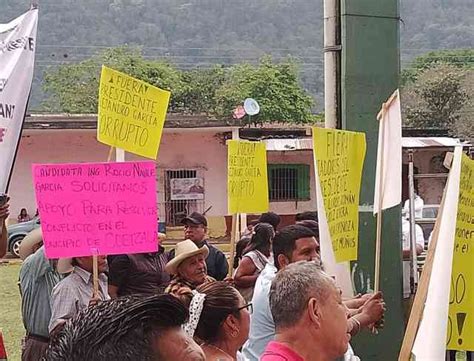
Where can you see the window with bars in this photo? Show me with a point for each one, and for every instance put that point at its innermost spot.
(288, 182)
(176, 210)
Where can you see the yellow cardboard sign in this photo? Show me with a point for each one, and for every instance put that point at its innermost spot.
(247, 183)
(339, 159)
(131, 113)
(461, 299)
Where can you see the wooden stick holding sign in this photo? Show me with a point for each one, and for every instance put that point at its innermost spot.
(95, 273)
(234, 237)
(378, 241)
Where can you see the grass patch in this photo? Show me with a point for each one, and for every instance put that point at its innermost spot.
(10, 310)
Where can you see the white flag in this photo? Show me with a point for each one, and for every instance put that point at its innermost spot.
(17, 55)
(430, 341)
(388, 176)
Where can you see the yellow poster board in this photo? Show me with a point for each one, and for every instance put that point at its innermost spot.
(131, 113)
(461, 298)
(339, 159)
(247, 182)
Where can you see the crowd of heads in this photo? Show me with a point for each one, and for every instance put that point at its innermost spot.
(197, 316)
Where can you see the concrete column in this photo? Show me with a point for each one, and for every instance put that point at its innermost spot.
(370, 67)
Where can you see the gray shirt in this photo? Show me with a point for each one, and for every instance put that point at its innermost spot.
(73, 294)
(37, 280)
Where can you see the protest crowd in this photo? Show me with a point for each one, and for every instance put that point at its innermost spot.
(99, 280)
(278, 304)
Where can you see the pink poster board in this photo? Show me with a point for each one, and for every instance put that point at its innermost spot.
(102, 208)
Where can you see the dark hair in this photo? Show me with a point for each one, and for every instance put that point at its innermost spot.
(285, 240)
(239, 250)
(252, 223)
(271, 218)
(221, 301)
(307, 216)
(312, 225)
(122, 329)
(261, 239)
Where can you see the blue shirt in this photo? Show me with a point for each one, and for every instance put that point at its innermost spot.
(37, 280)
(262, 327)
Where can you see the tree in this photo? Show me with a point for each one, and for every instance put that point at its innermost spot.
(440, 97)
(73, 88)
(274, 86)
(461, 58)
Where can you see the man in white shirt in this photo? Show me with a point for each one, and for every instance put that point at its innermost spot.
(420, 245)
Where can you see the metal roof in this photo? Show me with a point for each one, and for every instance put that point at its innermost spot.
(426, 142)
(289, 144)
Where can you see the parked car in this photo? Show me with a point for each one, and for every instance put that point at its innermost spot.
(18, 231)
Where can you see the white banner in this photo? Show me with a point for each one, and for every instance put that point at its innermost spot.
(17, 56)
(430, 342)
(388, 179)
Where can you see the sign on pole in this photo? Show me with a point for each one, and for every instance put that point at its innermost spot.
(339, 159)
(17, 57)
(247, 182)
(461, 300)
(131, 113)
(97, 208)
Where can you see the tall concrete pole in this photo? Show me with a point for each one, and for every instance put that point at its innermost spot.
(332, 64)
(370, 69)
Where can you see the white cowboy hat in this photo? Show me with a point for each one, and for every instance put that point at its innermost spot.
(183, 251)
(29, 243)
(31, 240)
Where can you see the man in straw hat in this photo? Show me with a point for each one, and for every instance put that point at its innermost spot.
(38, 276)
(195, 229)
(76, 292)
(188, 267)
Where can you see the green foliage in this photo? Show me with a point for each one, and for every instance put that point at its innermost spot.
(205, 33)
(274, 86)
(462, 58)
(199, 95)
(441, 97)
(73, 88)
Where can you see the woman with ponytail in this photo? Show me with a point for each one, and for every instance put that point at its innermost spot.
(256, 256)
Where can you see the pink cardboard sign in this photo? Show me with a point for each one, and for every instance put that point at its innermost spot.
(97, 208)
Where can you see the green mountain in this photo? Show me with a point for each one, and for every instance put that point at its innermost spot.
(200, 33)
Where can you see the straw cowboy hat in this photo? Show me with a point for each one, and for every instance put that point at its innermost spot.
(183, 251)
(32, 240)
